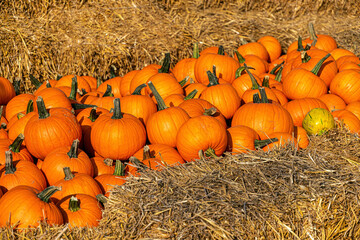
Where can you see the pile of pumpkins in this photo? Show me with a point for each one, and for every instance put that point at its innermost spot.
(65, 146)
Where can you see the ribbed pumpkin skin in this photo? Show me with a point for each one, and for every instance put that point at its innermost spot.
(225, 67)
(201, 133)
(115, 84)
(241, 139)
(143, 76)
(254, 48)
(108, 181)
(161, 151)
(7, 91)
(19, 126)
(163, 125)
(53, 98)
(332, 101)
(126, 81)
(102, 166)
(23, 154)
(264, 118)
(88, 215)
(272, 46)
(183, 68)
(300, 107)
(284, 138)
(301, 83)
(44, 135)
(348, 119)
(27, 173)
(24, 206)
(117, 138)
(346, 84)
(67, 80)
(18, 104)
(354, 107)
(165, 84)
(140, 106)
(301, 137)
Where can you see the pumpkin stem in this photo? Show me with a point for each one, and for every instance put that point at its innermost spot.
(139, 165)
(108, 162)
(312, 33)
(20, 115)
(263, 143)
(138, 89)
(317, 67)
(256, 98)
(58, 77)
(196, 53)
(210, 111)
(29, 107)
(35, 81)
(74, 88)
(98, 82)
(264, 98)
(240, 58)
(210, 152)
(277, 67)
(68, 174)
(213, 80)
(300, 46)
(255, 84)
(77, 106)
(1, 110)
(74, 204)
(184, 81)
(43, 113)
(265, 82)
(16, 144)
(166, 64)
(117, 110)
(74, 149)
(304, 57)
(146, 152)
(240, 70)
(48, 85)
(112, 71)
(278, 75)
(191, 95)
(221, 50)
(108, 92)
(9, 164)
(159, 99)
(119, 169)
(102, 198)
(3, 126)
(47, 193)
(93, 115)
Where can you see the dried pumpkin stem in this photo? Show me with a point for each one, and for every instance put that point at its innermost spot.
(119, 168)
(68, 174)
(74, 149)
(98, 82)
(138, 89)
(35, 81)
(265, 82)
(317, 67)
(108, 162)
(74, 204)
(47, 193)
(304, 57)
(102, 198)
(47, 84)
(263, 143)
(43, 113)
(146, 152)
(300, 46)
(93, 114)
(74, 88)
(196, 53)
(108, 92)
(117, 110)
(255, 84)
(9, 164)
(312, 33)
(160, 101)
(166, 64)
(16, 144)
(3, 126)
(210, 111)
(1, 110)
(191, 95)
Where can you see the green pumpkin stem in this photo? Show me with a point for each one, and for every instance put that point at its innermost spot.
(160, 101)
(304, 57)
(43, 113)
(278, 75)
(184, 81)
(93, 114)
(166, 64)
(119, 169)
(312, 33)
(210, 111)
(256, 98)
(58, 77)
(213, 80)
(210, 153)
(16, 144)
(1, 110)
(265, 82)
(263, 143)
(20, 115)
(196, 53)
(102, 198)
(108, 92)
(74, 149)
(29, 107)
(47, 193)
(98, 82)
(74, 204)
(68, 174)
(317, 67)
(255, 84)
(74, 88)
(3, 126)
(138, 89)
(112, 71)
(77, 106)
(240, 58)
(191, 95)
(9, 164)
(221, 50)
(16, 84)
(277, 67)
(300, 46)
(117, 110)
(263, 95)
(47, 84)
(35, 81)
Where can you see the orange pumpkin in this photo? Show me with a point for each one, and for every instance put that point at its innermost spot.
(346, 84)
(107, 181)
(7, 91)
(272, 46)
